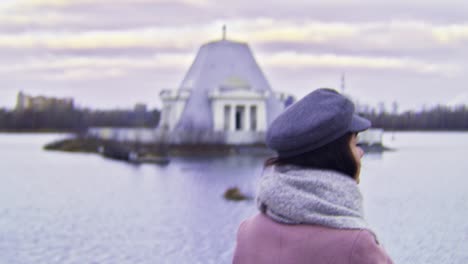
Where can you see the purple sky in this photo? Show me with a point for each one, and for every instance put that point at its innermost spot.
(115, 53)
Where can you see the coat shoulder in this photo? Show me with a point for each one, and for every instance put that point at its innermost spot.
(262, 240)
(366, 250)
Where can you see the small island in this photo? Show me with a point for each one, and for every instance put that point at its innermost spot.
(235, 194)
(129, 152)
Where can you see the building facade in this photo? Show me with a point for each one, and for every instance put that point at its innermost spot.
(41, 103)
(224, 98)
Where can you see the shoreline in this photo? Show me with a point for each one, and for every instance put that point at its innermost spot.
(154, 153)
(150, 153)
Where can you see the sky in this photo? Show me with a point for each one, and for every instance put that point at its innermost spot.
(116, 53)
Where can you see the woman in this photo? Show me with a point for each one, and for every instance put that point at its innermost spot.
(310, 205)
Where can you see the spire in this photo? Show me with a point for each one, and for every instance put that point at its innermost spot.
(224, 32)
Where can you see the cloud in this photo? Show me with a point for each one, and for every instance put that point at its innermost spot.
(267, 29)
(71, 3)
(75, 68)
(79, 15)
(48, 19)
(112, 14)
(386, 37)
(397, 34)
(94, 24)
(452, 33)
(81, 74)
(87, 68)
(140, 38)
(296, 60)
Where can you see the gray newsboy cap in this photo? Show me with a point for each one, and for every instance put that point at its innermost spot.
(321, 117)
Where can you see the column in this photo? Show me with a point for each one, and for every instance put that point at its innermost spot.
(247, 118)
(226, 117)
(253, 117)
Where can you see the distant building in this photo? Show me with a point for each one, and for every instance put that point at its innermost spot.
(224, 98)
(140, 108)
(41, 103)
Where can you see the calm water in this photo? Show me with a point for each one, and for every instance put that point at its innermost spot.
(80, 208)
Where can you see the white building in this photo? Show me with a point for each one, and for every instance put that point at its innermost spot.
(224, 98)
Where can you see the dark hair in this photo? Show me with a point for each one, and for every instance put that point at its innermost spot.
(335, 156)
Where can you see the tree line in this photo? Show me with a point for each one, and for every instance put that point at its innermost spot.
(78, 120)
(75, 120)
(437, 118)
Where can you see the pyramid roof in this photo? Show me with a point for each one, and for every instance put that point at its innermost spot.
(217, 64)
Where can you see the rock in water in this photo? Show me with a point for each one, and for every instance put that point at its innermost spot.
(234, 194)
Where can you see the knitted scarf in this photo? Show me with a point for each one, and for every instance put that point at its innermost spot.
(295, 195)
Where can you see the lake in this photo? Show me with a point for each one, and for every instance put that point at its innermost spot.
(81, 208)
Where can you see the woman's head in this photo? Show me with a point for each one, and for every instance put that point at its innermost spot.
(342, 155)
(319, 131)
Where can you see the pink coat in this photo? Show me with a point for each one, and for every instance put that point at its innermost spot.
(261, 240)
